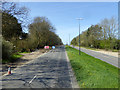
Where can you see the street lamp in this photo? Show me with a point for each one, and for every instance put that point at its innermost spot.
(69, 39)
(79, 32)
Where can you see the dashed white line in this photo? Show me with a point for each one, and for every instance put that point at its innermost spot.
(33, 79)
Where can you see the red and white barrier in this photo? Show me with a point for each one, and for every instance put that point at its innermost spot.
(46, 47)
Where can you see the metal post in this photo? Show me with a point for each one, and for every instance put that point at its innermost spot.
(79, 37)
(79, 33)
(69, 39)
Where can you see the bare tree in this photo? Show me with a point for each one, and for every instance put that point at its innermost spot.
(109, 27)
(110, 31)
(113, 30)
(21, 13)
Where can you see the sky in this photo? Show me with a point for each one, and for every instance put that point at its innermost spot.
(63, 15)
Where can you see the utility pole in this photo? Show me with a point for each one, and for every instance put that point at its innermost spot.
(79, 33)
(69, 39)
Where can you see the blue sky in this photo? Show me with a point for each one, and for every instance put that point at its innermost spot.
(63, 15)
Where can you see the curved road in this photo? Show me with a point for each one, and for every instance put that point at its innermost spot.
(51, 70)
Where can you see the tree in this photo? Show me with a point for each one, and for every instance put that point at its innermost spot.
(10, 27)
(94, 34)
(84, 39)
(13, 21)
(103, 35)
(110, 31)
(42, 33)
(74, 41)
(21, 13)
(14, 18)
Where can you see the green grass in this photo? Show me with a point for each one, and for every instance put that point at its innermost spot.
(13, 58)
(5, 61)
(115, 50)
(24, 52)
(91, 72)
(91, 48)
(16, 56)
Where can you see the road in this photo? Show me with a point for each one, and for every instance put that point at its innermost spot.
(51, 70)
(104, 57)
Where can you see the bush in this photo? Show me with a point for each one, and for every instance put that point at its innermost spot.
(0, 49)
(21, 46)
(7, 49)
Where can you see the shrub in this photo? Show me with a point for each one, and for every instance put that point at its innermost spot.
(7, 49)
(21, 46)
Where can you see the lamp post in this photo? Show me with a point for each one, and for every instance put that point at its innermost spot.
(69, 39)
(79, 32)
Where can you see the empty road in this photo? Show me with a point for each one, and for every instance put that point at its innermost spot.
(104, 57)
(51, 70)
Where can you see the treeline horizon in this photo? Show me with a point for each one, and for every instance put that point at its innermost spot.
(103, 35)
(40, 31)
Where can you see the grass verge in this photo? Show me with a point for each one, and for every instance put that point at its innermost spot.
(91, 72)
(91, 48)
(112, 50)
(23, 52)
(13, 58)
(115, 50)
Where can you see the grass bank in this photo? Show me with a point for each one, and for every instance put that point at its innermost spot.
(91, 72)
(112, 50)
(91, 48)
(23, 52)
(13, 58)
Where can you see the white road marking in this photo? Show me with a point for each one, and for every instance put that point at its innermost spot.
(33, 79)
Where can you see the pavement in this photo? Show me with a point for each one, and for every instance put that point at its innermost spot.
(104, 57)
(51, 70)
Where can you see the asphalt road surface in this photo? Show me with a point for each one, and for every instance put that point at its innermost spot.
(104, 57)
(50, 70)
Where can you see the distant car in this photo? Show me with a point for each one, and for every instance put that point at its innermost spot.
(46, 47)
(53, 47)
